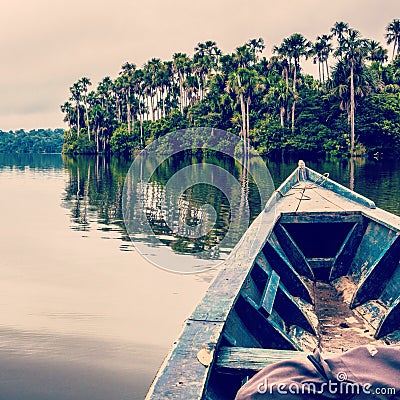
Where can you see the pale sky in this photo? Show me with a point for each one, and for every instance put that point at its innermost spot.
(47, 45)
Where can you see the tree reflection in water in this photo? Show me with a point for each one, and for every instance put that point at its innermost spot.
(94, 194)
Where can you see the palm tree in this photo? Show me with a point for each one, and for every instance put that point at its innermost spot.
(76, 96)
(325, 51)
(85, 83)
(243, 56)
(285, 65)
(205, 62)
(126, 73)
(210, 52)
(376, 52)
(235, 85)
(320, 51)
(244, 83)
(106, 95)
(97, 116)
(297, 46)
(279, 95)
(339, 29)
(352, 50)
(256, 46)
(181, 66)
(139, 87)
(318, 58)
(68, 110)
(393, 36)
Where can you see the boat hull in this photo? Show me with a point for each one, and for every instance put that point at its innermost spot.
(318, 268)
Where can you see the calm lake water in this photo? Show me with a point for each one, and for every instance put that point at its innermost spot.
(83, 315)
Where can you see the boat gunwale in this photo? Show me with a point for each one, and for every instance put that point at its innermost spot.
(230, 267)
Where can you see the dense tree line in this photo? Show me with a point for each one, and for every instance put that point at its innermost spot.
(353, 107)
(34, 141)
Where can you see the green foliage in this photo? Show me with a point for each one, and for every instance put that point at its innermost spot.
(122, 142)
(34, 141)
(165, 125)
(379, 124)
(269, 137)
(353, 106)
(74, 144)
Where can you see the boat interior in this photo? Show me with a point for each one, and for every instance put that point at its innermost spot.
(327, 280)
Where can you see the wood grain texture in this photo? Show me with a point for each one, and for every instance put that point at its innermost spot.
(252, 359)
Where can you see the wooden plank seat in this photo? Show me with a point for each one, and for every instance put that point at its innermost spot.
(239, 359)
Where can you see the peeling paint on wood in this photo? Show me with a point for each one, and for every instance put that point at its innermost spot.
(265, 304)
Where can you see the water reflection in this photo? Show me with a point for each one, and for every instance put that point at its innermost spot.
(39, 162)
(94, 193)
(80, 318)
(196, 223)
(351, 173)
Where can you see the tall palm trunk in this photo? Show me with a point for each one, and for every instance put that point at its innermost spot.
(287, 90)
(242, 108)
(319, 70)
(152, 106)
(180, 78)
(327, 69)
(282, 114)
(128, 111)
(286, 72)
(294, 94)
(119, 110)
(128, 116)
(164, 95)
(78, 118)
(352, 110)
(97, 133)
(141, 123)
(87, 120)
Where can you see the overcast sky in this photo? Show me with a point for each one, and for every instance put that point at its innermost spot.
(47, 45)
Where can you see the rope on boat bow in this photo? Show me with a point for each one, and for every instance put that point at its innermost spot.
(302, 176)
(301, 181)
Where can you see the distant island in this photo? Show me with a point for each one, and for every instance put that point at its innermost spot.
(33, 141)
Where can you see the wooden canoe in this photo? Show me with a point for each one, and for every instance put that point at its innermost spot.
(319, 267)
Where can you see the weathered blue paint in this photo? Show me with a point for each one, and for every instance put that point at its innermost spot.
(261, 303)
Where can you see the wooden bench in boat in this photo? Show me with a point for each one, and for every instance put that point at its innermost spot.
(239, 359)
